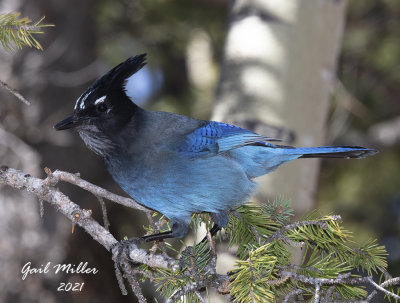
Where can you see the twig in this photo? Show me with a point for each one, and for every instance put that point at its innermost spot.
(44, 190)
(280, 234)
(343, 279)
(41, 208)
(393, 281)
(120, 279)
(59, 175)
(317, 293)
(371, 295)
(156, 228)
(256, 234)
(15, 93)
(136, 288)
(212, 264)
(106, 222)
(277, 281)
(328, 294)
(298, 267)
(253, 229)
(291, 294)
(201, 299)
(191, 287)
(379, 287)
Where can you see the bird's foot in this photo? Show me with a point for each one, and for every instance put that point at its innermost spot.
(121, 249)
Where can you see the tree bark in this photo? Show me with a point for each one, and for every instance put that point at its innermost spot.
(26, 143)
(278, 72)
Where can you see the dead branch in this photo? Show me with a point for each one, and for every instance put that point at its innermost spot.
(44, 189)
(15, 93)
(74, 179)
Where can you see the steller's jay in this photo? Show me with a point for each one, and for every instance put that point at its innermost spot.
(174, 164)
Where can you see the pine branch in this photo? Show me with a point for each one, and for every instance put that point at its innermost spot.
(17, 32)
(265, 270)
(342, 279)
(189, 288)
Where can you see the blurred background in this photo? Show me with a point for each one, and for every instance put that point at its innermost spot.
(193, 67)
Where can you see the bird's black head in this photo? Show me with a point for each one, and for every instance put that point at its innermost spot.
(105, 101)
(104, 107)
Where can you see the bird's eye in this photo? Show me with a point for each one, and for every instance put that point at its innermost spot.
(102, 107)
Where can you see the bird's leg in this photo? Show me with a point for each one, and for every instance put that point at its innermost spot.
(157, 237)
(213, 231)
(209, 237)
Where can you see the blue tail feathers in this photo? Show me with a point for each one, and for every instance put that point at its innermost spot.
(331, 152)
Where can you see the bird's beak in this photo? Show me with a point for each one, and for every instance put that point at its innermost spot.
(67, 123)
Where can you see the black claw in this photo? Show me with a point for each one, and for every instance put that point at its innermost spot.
(157, 237)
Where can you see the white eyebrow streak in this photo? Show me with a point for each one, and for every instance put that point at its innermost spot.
(100, 100)
(82, 103)
(76, 104)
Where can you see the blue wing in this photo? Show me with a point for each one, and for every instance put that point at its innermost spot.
(216, 137)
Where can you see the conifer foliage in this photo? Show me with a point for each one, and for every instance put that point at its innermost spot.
(333, 268)
(16, 32)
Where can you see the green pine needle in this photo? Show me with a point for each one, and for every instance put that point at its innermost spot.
(17, 32)
(248, 224)
(250, 282)
(370, 257)
(265, 271)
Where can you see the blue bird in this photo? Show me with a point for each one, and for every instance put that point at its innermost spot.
(174, 164)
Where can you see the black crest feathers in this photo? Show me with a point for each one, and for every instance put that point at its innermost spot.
(116, 77)
(112, 82)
